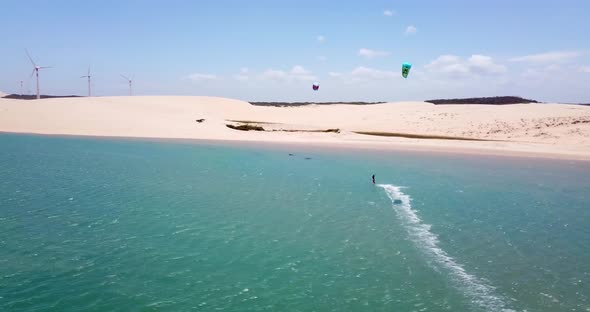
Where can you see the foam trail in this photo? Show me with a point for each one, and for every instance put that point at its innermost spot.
(477, 290)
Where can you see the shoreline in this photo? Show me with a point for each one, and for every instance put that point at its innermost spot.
(551, 131)
(361, 146)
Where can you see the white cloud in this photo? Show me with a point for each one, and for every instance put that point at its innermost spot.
(485, 65)
(321, 39)
(300, 73)
(272, 74)
(322, 58)
(297, 73)
(448, 64)
(372, 53)
(549, 57)
(243, 75)
(410, 30)
(388, 13)
(456, 66)
(335, 75)
(584, 69)
(299, 70)
(201, 77)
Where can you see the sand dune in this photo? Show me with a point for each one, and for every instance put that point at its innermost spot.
(554, 130)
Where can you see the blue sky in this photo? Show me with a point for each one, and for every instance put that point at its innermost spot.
(274, 50)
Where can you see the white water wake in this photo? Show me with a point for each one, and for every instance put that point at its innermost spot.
(477, 290)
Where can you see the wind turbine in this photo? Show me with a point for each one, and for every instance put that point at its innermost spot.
(88, 76)
(36, 71)
(130, 80)
(21, 88)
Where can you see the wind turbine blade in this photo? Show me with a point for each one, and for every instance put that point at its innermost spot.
(124, 77)
(132, 77)
(32, 73)
(89, 71)
(83, 76)
(30, 58)
(45, 67)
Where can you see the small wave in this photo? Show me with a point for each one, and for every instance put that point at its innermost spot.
(477, 290)
(181, 231)
(159, 304)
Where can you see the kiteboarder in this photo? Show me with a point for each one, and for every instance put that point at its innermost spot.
(373, 179)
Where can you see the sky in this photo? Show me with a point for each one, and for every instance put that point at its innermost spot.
(269, 50)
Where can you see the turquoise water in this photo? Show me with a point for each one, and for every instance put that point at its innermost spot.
(114, 225)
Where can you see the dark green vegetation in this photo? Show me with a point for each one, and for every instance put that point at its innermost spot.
(245, 127)
(34, 97)
(288, 104)
(496, 100)
(251, 126)
(295, 130)
(417, 136)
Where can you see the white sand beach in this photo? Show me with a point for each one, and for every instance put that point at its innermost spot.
(544, 130)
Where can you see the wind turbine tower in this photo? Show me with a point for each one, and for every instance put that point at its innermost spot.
(88, 76)
(130, 80)
(36, 72)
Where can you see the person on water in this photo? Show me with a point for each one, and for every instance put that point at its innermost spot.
(373, 179)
